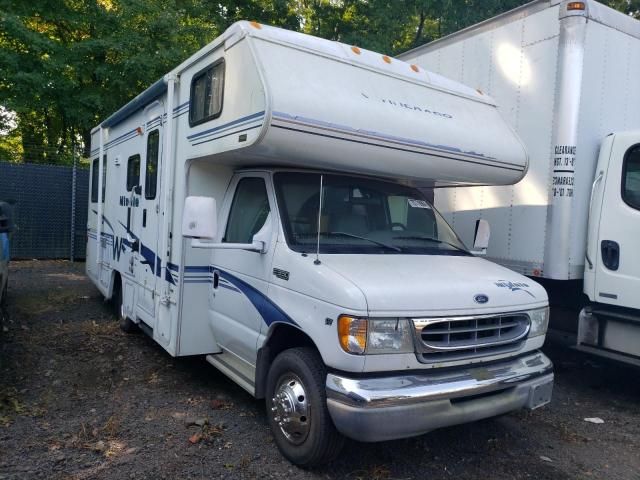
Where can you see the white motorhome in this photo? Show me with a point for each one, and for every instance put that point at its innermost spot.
(260, 205)
(565, 76)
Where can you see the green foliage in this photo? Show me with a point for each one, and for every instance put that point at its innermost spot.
(67, 64)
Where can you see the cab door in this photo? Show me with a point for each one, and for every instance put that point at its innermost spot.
(614, 243)
(146, 228)
(241, 277)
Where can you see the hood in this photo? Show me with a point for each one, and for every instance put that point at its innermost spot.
(433, 285)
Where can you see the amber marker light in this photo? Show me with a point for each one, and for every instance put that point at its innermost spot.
(386, 58)
(139, 130)
(352, 333)
(576, 6)
(355, 50)
(415, 68)
(255, 24)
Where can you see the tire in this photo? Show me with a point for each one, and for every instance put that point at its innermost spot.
(4, 300)
(4, 312)
(305, 434)
(126, 324)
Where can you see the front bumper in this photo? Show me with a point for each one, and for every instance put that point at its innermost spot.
(385, 408)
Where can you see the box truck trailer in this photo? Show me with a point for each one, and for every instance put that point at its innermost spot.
(260, 205)
(565, 77)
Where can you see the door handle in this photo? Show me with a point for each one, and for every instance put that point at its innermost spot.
(144, 217)
(610, 254)
(216, 279)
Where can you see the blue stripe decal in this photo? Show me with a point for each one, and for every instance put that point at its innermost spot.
(234, 122)
(382, 136)
(181, 106)
(211, 139)
(195, 268)
(134, 131)
(268, 310)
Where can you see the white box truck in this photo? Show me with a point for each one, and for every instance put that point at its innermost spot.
(259, 205)
(565, 75)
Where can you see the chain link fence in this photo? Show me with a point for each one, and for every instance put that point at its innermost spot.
(50, 209)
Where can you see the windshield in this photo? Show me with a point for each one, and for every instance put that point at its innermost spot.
(361, 215)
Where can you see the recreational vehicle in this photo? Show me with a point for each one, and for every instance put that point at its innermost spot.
(565, 77)
(262, 205)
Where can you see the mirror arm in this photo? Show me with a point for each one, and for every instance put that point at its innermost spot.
(256, 246)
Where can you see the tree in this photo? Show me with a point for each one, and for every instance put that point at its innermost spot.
(67, 64)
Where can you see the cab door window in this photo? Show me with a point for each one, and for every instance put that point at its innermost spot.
(248, 212)
(631, 178)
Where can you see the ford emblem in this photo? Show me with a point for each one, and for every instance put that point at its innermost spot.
(481, 298)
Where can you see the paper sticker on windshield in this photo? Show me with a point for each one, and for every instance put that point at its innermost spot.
(418, 203)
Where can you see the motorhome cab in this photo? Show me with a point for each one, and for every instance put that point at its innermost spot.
(263, 205)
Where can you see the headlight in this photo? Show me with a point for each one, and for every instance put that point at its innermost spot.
(375, 336)
(539, 321)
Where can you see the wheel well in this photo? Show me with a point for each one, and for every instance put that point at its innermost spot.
(116, 283)
(282, 337)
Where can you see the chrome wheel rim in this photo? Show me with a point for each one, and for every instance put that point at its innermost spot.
(290, 409)
(123, 315)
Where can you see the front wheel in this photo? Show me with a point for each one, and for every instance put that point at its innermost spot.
(297, 408)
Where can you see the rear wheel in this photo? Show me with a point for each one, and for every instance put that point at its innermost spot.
(126, 324)
(297, 408)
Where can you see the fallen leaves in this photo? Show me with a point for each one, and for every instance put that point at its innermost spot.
(218, 404)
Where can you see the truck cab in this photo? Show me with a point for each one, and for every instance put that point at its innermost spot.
(610, 325)
(400, 328)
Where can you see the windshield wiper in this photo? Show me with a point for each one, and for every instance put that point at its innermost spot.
(431, 239)
(381, 244)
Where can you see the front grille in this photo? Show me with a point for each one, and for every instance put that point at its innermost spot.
(446, 339)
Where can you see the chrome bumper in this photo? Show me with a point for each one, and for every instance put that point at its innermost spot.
(386, 408)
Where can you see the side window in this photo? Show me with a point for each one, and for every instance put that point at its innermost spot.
(631, 178)
(104, 178)
(133, 172)
(94, 181)
(207, 86)
(151, 174)
(249, 211)
(95, 177)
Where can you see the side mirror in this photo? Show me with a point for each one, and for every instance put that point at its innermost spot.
(6, 218)
(199, 218)
(481, 240)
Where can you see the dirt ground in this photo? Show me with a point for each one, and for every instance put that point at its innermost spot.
(79, 399)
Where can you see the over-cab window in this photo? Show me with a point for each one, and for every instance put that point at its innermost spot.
(631, 178)
(133, 172)
(207, 86)
(95, 177)
(151, 174)
(249, 211)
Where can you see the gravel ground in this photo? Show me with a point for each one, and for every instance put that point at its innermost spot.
(79, 399)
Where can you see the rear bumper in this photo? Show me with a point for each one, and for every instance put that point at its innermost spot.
(386, 408)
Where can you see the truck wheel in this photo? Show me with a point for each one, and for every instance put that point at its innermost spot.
(297, 408)
(4, 299)
(126, 324)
